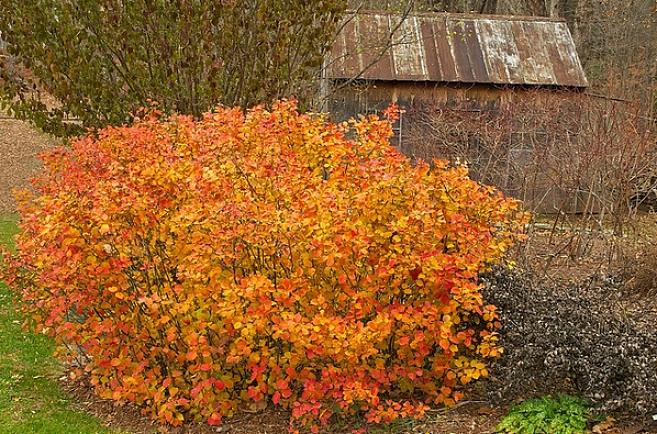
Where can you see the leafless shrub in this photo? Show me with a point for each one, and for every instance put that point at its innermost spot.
(638, 261)
(588, 162)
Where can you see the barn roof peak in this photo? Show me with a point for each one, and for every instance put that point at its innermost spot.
(457, 48)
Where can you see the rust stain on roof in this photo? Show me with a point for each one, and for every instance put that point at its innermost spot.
(457, 48)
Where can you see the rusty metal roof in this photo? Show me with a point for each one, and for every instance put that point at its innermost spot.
(456, 48)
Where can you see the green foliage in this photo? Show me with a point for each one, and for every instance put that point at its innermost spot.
(7, 229)
(547, 415)
(101, 60)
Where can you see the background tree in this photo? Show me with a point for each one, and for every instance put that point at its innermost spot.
(617, 42)
(100, 60)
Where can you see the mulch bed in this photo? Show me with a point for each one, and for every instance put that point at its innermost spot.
(467, 417)
(128, 417)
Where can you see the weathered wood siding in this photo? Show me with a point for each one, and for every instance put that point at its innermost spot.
(516, 170)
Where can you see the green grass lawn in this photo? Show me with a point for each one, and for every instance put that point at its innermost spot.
(30, 398)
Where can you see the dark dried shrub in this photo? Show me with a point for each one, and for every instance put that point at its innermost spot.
(587, 339)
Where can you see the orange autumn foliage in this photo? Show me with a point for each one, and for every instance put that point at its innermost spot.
(201, 267)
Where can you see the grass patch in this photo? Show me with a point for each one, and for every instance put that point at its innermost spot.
(8, 229)
(30, 398)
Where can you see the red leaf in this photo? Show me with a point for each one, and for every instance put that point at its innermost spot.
(214, 419)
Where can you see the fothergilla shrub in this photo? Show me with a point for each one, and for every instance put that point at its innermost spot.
(242, 260)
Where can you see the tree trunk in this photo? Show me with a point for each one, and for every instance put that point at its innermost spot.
(569, 10)
(489, 7)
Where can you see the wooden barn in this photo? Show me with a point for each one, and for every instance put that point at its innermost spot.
(467, 70)
(448, 57)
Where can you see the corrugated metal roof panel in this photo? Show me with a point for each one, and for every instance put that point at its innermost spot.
(524, 71)
(456, 48)
(408, 52)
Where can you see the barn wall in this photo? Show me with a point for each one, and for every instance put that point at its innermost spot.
(362, 98)
(513, 165)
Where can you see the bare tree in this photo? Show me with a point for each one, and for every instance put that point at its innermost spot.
(617, 43)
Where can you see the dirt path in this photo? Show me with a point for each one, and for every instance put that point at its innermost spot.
(20, 144)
